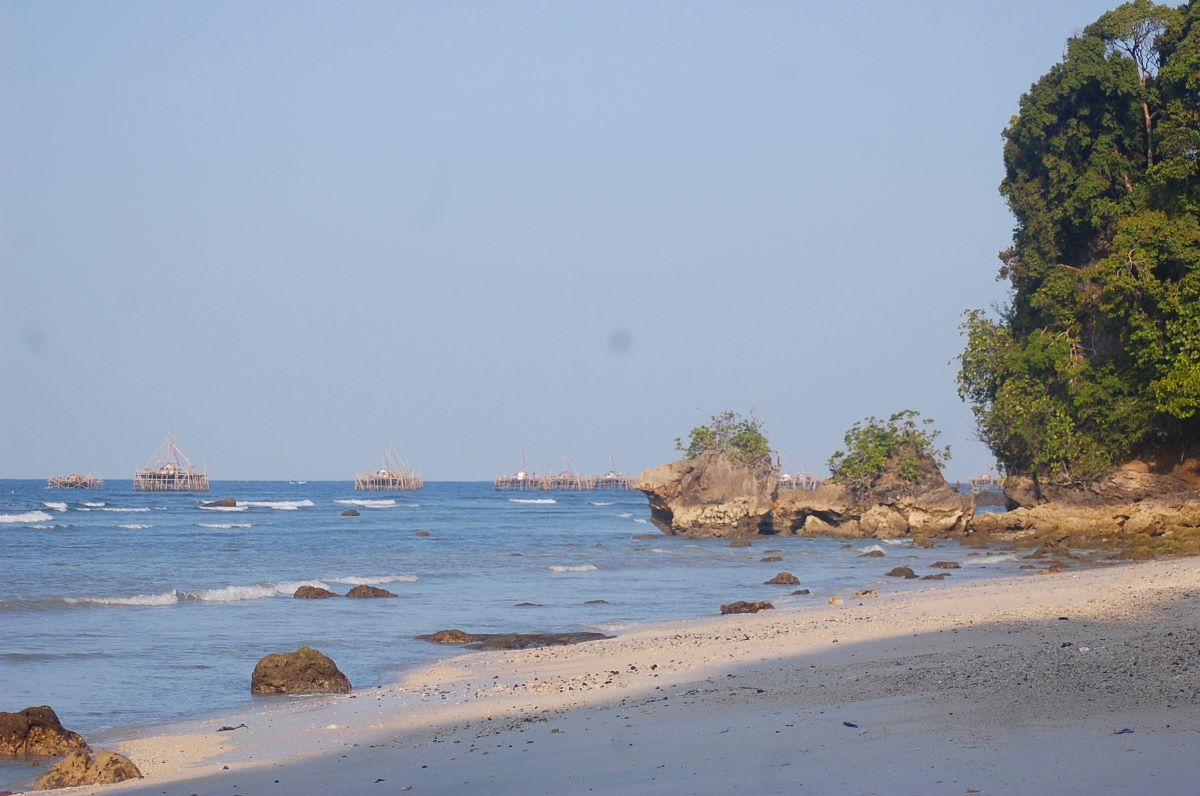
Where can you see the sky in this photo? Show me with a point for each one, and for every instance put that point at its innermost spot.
(290, 232)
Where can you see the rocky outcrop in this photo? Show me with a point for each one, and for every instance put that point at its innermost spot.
(350, 513)
(313, 593)
(80, 768)
(305, 671)
(223, 503)
(783, 579)
(713, 494)
(37, 731)
(1143, 508)
(508, 641)
(363, 592)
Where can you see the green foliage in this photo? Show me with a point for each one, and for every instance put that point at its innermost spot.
(743, 438)
(904, 442)
(1097, 357)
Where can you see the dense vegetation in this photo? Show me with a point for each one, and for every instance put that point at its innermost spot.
(1096, 359)
(903, 445)
(742, 438)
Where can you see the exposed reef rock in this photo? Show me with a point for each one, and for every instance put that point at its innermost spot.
(305, 671)
(715, 495)
(80, 768)
(508, 641)
(36, 731)
(743, 607)
(223, 503)
(711, 495)
(307, 592)
(365, 592)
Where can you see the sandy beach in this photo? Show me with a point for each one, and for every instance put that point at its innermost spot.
(1087, 681)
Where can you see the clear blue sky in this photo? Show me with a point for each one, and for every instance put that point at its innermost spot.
(289, 231)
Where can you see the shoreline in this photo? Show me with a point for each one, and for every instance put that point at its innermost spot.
(969, 685)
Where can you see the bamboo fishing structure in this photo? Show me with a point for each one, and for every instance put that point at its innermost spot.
(75, 481)
(389, 474)
(801, 481)
(568, 480)
(170, 471)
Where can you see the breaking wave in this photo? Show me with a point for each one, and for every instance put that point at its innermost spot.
(224, 508)
(94, 504)
(532, 500)
(579, 568)
(374, 581)
(133, 526)
(224, 526)
(871, 549)
(601, 503)
(50, 504)
(27, 516)
(124, 510)
(280, 505)
(56, 526)
(640, 521)
(383, 503)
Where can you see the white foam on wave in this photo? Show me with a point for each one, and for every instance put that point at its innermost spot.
(125, 510)
(601, 503)
(625, 515)
(899, 542)
(133, 526)
(56, 526)
(992, 559)
(224, 526)
(254, 591)
(640, 521)
(579, 568)
(353, 580)
(279, 505)
(50, 504)
(383, 503)
(94, 504)
(223, 508)
(871, 549)
(166, 598)
(536, 501)
(27, 516)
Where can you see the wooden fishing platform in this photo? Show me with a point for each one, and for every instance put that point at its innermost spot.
(389, 474)
(75, 481)
(568, 480)
(170, 471)
(799, 482)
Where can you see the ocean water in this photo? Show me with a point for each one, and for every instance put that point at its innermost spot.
(121, 608)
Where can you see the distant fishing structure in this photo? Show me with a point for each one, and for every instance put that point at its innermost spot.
(75, 481)
(170, 471)
(389, 473)
(567, 480)
(802, 481)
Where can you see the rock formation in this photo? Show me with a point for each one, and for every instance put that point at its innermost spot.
(743, 607)
(313, 593)
(350, 513)
(363, 592)
(223, 503)
(80, 768)
(305, 671)
(37, 731)
(712, 494)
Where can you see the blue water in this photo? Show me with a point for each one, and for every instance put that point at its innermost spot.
(149, 608)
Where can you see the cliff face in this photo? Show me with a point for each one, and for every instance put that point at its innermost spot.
(713, 495)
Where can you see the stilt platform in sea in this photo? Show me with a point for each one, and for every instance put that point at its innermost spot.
(389, 474)
(800, 482)
(170, 471)
(568, 480)
(75, 481)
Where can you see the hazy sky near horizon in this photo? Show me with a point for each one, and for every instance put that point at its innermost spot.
(289, 232)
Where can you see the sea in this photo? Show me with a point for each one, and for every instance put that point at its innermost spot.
(123, 609)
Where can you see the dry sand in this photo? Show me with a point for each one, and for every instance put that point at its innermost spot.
(1017, 686)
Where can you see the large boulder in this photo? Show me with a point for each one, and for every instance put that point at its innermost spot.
(363, 591)
(80, 768)
(223, 503)
(305, 671)
(713, 494)
(37, 731)
(307, 592)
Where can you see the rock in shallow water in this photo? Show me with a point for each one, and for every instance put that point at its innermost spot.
(508, 641)
(313, 593)
(783, 579)
(36, 731)
(363, 592)
(305, 671)
(901, 572)
(223, 503)
(80, 768)
(350, 513)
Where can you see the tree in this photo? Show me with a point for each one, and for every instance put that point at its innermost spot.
(1096, 358)
(744, 439)
(903, 444)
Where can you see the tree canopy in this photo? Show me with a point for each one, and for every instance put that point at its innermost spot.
(1096, 358)
(903, 443)
(744, 439)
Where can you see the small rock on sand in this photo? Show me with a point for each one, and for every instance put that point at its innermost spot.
(834, 600)
(80, 768)
(901, 572)
(36, 731)
(1051, 569)
(865, 594)
(305, 671)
